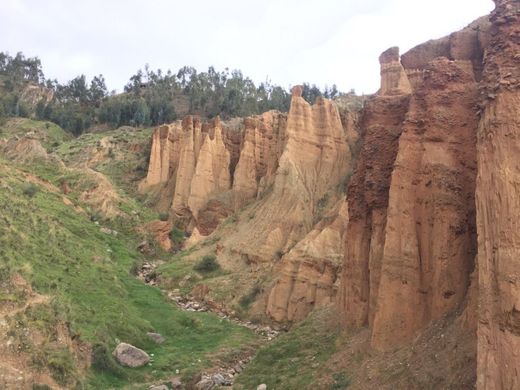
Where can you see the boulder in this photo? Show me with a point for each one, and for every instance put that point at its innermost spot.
(130, 356)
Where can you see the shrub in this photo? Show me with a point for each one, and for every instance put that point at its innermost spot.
(207, 264)
(164, 216)
(246, 300)
(61, 366)
(59, 361)
(278, 255)
(177, 236)
(40, 386)
(30, 189)
(189, 322)
(341, 381)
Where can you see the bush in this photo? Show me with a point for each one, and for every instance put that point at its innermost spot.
(39, 386)
(341, 381)
(189, 322)
(59, 361)
(164, 216)
(207, 264)
(177, 237)
(246, 300)
(61, 366)
(30, 189)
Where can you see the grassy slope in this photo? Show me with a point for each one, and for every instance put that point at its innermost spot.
(121, 163)
(65, 255)
(295, 360)
(50, 134)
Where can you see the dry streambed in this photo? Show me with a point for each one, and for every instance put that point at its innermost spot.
(224, 374)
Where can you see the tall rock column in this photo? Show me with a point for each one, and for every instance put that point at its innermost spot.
(381, 126)
(498, 205)
(430, 228)
(314, 162)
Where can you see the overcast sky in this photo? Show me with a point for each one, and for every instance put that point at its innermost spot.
(288, 41)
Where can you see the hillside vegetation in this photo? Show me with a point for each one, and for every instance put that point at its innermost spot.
(66, 273)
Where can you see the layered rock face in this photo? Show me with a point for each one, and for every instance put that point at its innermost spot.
(430, 238)
(416, 202)
(498, 205)
(410, 243)
(368, 194)
(204, 172)
(314, 163)
(308, 273)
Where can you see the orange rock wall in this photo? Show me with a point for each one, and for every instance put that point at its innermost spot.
(498, 205)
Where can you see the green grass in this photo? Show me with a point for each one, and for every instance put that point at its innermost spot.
(63, 254)
(121, 164)
(294, 360)
(50, 134)
(182, 273)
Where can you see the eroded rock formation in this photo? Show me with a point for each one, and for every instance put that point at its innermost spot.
(308, 273)
(290, 169)
(498, 205)
(411, 241)
(312, 167)
(203, 172)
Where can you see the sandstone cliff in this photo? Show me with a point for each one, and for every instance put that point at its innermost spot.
(308, 273)
(497, 193)
(314, 163)
(411, 242)
(204, 172)
(417, 204)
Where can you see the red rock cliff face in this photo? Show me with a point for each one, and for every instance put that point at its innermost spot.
(368, 193)
(430, 238)
(417, 203)
(498, 205)
(410, 243)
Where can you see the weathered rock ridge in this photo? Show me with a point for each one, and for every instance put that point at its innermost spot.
(203, 172)
(498, 204)
(308, 273)
(312, 167)
(434, 194)
(289, 170)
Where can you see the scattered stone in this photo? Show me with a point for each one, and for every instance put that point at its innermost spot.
(158, 387)
(220, 380)
(108, 231)
(263, 386)
(175, 384)
(156, 337)
(205, 384)
(130, 356)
